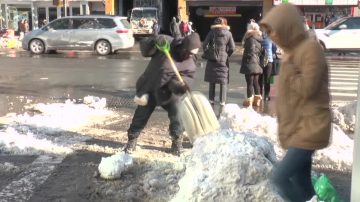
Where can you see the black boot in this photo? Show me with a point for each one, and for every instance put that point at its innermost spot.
(176, 146)
(130, 146)
(221, 109)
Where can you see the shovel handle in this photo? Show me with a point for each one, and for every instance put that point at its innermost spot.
(165, 48)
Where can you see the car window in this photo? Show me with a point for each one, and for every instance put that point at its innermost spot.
(352, 23)
(125, 23)
(106, 23)
(83, 23)
(59, 24)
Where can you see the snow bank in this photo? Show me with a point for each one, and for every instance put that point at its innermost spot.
(47, 128)
(229, 166)
(337, 156)
(344, 116)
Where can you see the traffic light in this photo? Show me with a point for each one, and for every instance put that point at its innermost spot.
(58, 3)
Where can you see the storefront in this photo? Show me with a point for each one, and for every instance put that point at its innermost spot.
(238, 13)
(320, 13)
(39, 12)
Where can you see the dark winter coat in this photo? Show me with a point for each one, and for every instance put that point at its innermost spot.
(250, 63)
(218, 71)
(302, 102)
(175, 28)
(158, 78)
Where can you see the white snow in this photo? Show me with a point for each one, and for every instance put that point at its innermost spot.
(338, 155)
(344, 115)
(51, 128)
(111, 167)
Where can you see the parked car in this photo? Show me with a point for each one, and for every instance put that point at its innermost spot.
(104, 34)
(343, 34)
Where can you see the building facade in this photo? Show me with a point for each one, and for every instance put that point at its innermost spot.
(39, 12)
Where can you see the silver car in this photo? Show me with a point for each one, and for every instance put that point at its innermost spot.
(104, 34)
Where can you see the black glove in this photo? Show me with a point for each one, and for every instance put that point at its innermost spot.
(178, 87)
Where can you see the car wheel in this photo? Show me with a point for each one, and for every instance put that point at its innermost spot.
(37, 46)
(103, 47)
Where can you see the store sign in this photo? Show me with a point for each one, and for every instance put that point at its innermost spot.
(222, 11)
(318, 2)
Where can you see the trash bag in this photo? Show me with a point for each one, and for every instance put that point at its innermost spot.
(324, 189)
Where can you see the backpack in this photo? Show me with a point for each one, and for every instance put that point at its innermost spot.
(184, 27)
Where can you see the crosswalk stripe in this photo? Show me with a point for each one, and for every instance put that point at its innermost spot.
(344, 77)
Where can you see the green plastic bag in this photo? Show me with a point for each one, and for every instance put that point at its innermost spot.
(324, 189)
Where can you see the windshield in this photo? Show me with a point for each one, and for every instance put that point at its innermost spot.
(335, 23)
(138, 14)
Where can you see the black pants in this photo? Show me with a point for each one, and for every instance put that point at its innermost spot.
(264, 80)
(292, 176)
(222, 96)
(143, 113)
(252, 84)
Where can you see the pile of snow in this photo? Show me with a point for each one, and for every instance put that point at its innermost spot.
(229, 165)
(111, 167)
(47, 128)
(344, 116)
(95, 102)
(338, 155)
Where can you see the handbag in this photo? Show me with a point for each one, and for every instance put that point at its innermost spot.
(210, 51)
(276, 67)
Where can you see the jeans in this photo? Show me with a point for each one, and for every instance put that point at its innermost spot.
(292, 176)
(142, 115)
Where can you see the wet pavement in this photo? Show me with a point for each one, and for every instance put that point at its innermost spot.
(55, 77)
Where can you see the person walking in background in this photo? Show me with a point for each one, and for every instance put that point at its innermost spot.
(161, 85)
(302, 103)
(175, 28)
(217, 68)
(155, 27)
(265, 77)
(250, 64)
(184, 28)
(191, 29)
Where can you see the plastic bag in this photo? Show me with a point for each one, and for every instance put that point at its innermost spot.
(324, 189)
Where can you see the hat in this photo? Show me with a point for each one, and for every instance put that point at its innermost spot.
(192, 41)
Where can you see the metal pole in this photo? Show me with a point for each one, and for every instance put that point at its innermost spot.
(355, 178)
(65, 7)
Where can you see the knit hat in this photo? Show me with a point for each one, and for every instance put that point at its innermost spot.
(191, 42)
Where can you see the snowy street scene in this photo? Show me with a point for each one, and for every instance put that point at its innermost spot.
(63, 127)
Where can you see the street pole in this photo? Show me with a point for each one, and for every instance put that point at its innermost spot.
(65, 8)
(355, 178)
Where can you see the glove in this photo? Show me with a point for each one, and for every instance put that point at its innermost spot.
(142, 101)
(178, 87)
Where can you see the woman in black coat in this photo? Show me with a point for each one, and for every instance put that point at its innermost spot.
(217, 70)
(250, 64)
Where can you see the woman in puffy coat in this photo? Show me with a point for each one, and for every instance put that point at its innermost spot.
(217, 71)
(250, 64)
(302, 102)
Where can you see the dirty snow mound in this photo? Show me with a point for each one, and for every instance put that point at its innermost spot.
(229, 166)
(344, 116)
(337, 156)
(111, 167)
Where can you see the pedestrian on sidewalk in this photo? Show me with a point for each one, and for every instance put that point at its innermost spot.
(217, 68)
(160, 82)
(175, 28)
(250, 65)
(265, 77)
(302, 102)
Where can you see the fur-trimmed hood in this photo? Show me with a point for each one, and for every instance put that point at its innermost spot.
(220, 27)
(253, 33)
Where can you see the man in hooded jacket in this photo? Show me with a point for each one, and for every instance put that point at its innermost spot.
(302, 103)
(159, 81)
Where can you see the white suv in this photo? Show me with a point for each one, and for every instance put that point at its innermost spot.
(343, 34)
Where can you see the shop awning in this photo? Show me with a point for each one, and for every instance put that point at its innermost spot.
(224, 2)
